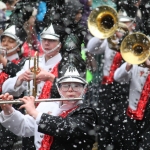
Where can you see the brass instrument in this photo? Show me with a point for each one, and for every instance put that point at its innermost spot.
(17, 101)
(113, 43)
(135, 48)
(103, 22)
(35, 69)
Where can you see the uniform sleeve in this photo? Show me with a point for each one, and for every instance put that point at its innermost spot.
(78, 124)
(96, 46)
(121, 75)
(9, 84)
(12, 68)
(19, 124)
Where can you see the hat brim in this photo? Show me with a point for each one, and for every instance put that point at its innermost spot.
(49, 36)
(11, 36)
(71, 79)
(125, 19)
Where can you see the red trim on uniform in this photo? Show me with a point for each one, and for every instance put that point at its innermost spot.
(4, 76)
(138, 114)
(27, 51)
(115, 64)
(48, 140)
(46, 90)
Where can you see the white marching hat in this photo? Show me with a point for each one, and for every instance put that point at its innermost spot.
(71, 75)
(123, 16)
(49, 33)
(15, 33)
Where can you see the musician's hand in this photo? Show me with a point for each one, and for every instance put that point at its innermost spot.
(29, 105)
(44, 76)
(26, 76)
(119, 35)
(147, 63)
(7, 108)
(128, 66)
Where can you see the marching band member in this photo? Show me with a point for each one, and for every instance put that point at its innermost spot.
(110, 92)
(12, 40)
(136, 123)
(48, 65)
(69, 125)
(51, 47)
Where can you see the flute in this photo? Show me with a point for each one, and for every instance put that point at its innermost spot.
(17, 101)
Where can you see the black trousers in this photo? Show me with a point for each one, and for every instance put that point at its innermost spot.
(133, 134)
(28, 143)
(110, 96)
(7, 138)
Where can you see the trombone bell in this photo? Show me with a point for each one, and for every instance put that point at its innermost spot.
(103, 22)
(135, 48)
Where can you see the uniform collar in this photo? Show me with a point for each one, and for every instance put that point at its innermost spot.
(70, 105)
(54, 60)
(13, 57)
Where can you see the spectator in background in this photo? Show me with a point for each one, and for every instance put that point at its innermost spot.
(3, 6)
(9, 7)
(97, 3)
(42, 8)
(2, 21)
(86, 10)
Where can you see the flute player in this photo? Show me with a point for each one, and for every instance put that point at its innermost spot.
(69, 125)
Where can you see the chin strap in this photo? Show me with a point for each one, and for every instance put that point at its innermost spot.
(12, 50)
(50, 51)
(131, 23)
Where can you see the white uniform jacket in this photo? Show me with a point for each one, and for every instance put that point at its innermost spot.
(139, 79)
(97, 46)
(9, 84)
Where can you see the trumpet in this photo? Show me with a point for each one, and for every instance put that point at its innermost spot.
(17, 101)
(35, 69)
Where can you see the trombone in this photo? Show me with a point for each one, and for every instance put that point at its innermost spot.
(17, 101)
